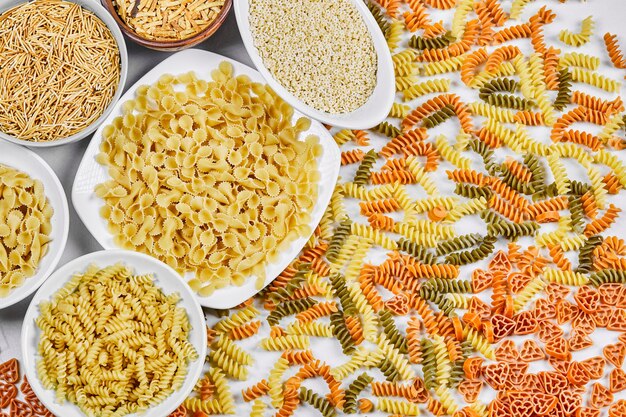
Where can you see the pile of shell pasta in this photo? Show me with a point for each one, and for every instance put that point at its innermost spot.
(218, 186)
(525, 315)
(25, 214)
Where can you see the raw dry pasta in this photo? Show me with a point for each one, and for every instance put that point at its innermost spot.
(168, 21)
(18, 398)
(112, 342)
(295, 48)
(48, 93)
(25, 227)
(209, 177)
(448, 287)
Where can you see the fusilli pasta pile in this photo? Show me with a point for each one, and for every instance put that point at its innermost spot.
(112, 343)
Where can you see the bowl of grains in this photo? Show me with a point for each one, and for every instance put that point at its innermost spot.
(327, 58)
(63, 65)
(166, 25)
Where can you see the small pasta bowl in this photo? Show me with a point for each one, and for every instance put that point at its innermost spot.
(174, 45)
(164, 277)
(103, 15)
(24, 160)
(377, 106)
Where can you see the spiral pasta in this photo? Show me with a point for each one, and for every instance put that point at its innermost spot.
(459, 20)
(397, 407)
(596, 80)
(318, 402)
(517, 7)
(379, 15)
(421, 43)
(393, 34)
(352, 157)
(578, 39)
(441, 67)
(438, 85)
(138, 343)
(577, 59)
(355, 388)
(451, 154)
(614, 51)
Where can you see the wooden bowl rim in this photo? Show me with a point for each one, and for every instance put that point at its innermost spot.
(169, 45)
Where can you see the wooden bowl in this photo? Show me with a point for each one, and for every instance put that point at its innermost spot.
(175, 45)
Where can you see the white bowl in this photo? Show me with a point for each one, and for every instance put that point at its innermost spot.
(165, 277)
(90, 173)
(98, 10)
(375, 109)
(24, 160)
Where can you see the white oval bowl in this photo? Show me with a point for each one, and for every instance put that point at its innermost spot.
(377, 106)
(90, 173)
(22, 159)
(165, 278)
(95, 7)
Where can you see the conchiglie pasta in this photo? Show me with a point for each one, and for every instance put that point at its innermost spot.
(217, 185)
(25, 227)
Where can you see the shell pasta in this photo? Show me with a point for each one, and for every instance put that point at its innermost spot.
(209, 177)
(25, 227)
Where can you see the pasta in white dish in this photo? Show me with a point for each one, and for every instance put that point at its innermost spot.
(112, 342)
(25, 227)
(209, 176)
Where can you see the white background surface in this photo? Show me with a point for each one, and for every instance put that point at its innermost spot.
(610, 15)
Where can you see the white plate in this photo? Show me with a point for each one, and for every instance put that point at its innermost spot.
(90, 173)
(375, 109)
(22, 159)
(165, 278)
(94, 7)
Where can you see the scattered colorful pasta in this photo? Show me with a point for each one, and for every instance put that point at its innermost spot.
(448, 268)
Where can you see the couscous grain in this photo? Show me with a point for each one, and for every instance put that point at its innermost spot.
(319, 50)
